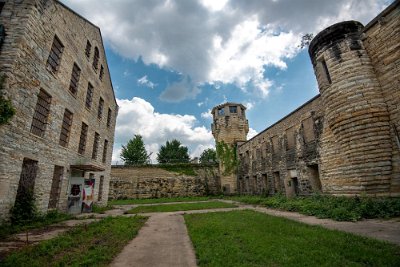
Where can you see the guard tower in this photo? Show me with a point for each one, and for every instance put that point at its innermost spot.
(231, 127)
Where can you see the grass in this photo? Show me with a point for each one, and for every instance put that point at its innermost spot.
(95, 244)
(101, 209)
(249, 238)
(42, 221)
(157, 200)
(336, 208)
(181, 207)
(180, 168)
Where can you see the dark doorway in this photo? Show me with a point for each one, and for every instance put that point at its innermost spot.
(314, 178)
(296, 188)
(277, 183)
(56, 187)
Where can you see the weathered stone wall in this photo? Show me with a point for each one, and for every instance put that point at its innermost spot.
(155, 182)
(284, 157)
(30, 28)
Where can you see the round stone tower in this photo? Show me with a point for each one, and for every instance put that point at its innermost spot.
(355, 145)
(230, 126)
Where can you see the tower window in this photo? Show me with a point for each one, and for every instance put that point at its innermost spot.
(232, 109)
(326, 71)
(221, 111)
(54, 60)
(41, 114)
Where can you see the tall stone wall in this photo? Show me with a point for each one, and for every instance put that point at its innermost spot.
(156, 182)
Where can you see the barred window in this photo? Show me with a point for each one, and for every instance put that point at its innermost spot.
(88, 48)
(232, 109)
(96, 59)
(73, 85)
(54, 60)
(89, 96)
(56, 186)
(66, 128)
(100, 110)
(95, 145)
(105, 147)
(101, 73)
(109, 114)
(82, 140)
(41, 114)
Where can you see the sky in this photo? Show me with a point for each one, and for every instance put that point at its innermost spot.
(172, 61)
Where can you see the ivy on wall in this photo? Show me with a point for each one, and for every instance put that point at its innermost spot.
(226, 155)
(7, 111)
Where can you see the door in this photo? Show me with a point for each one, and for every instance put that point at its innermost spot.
(75, 194)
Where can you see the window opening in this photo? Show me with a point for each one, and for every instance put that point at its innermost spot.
(54, 60)
(73, 85)
(95, 145)
(41, 113)
(89, 96)
(82, 140)
(66, 128)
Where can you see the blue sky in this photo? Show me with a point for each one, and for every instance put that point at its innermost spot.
(171, 61)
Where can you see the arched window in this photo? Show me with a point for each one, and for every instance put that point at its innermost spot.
(96, 58)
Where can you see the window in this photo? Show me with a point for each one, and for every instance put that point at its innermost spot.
(41, 114)
(96, 58)
(291, 140)
(105, 147)
(100, 195)
(73, 85)
(88, 48)
(82, 140)
(326, 71)
(27, 179)
(275, 144)
(308, 130)
(100, 109)
(54, 60)
(109, 114)
(95, 145)
(232, 109)
(66, 128)
(89, 96)
(1, 6)
(101, 73)
(55, 187)
(221, 111)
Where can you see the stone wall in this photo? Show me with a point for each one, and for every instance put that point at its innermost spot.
(156, 182)
(30, 29)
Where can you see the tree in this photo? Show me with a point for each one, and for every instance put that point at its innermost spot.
(173, 152)
(208, 156)
(135, 152)
(306, 40)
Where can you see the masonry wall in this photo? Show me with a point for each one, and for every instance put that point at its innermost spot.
(30, 29)
(155, 182)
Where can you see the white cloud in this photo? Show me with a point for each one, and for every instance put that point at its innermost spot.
(209, 41)
(137, 116)
(145, 82)
(251, 133)
(178, 91)
(207, 114)
(249, 105)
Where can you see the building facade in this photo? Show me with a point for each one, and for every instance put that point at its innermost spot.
(59, 142)
(346, 140)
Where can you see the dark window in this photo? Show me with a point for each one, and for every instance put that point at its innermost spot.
(100, 109)
(82, 140)
(89, 96)
(27, 179)
(1, 6)
(66, 128)
(109, 114)
(88, 48)
(56, 186)
(101, 73)
(291, 139)
(105, 147)
(101, 188)
(54, 60)
(232, 109)
(326, 71)
(96, 59)
(41, 114)
(73, 85)
(95, 145)
(221, 111)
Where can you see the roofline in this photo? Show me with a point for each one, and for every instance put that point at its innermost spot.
(386, 11)
(288, 115)
(101, 39)
(227, 103)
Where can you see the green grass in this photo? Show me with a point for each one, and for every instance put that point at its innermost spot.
(42, 221)
(180, 168)
(93, 245)
(101, 209)
(249, 238)
(181, 207)
(336, 208)
(157, 200)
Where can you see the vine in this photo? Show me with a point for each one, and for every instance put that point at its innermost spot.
(227, 157)
(7, 111)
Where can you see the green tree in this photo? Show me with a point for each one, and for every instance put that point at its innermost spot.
(173, 152)
(135, 152)
(208, 156)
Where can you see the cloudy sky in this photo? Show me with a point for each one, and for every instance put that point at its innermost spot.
(171, 61)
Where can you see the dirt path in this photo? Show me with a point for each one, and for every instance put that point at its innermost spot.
(162, 241)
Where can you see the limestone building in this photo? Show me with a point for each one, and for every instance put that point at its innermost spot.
(346, 140)
(59, 142)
